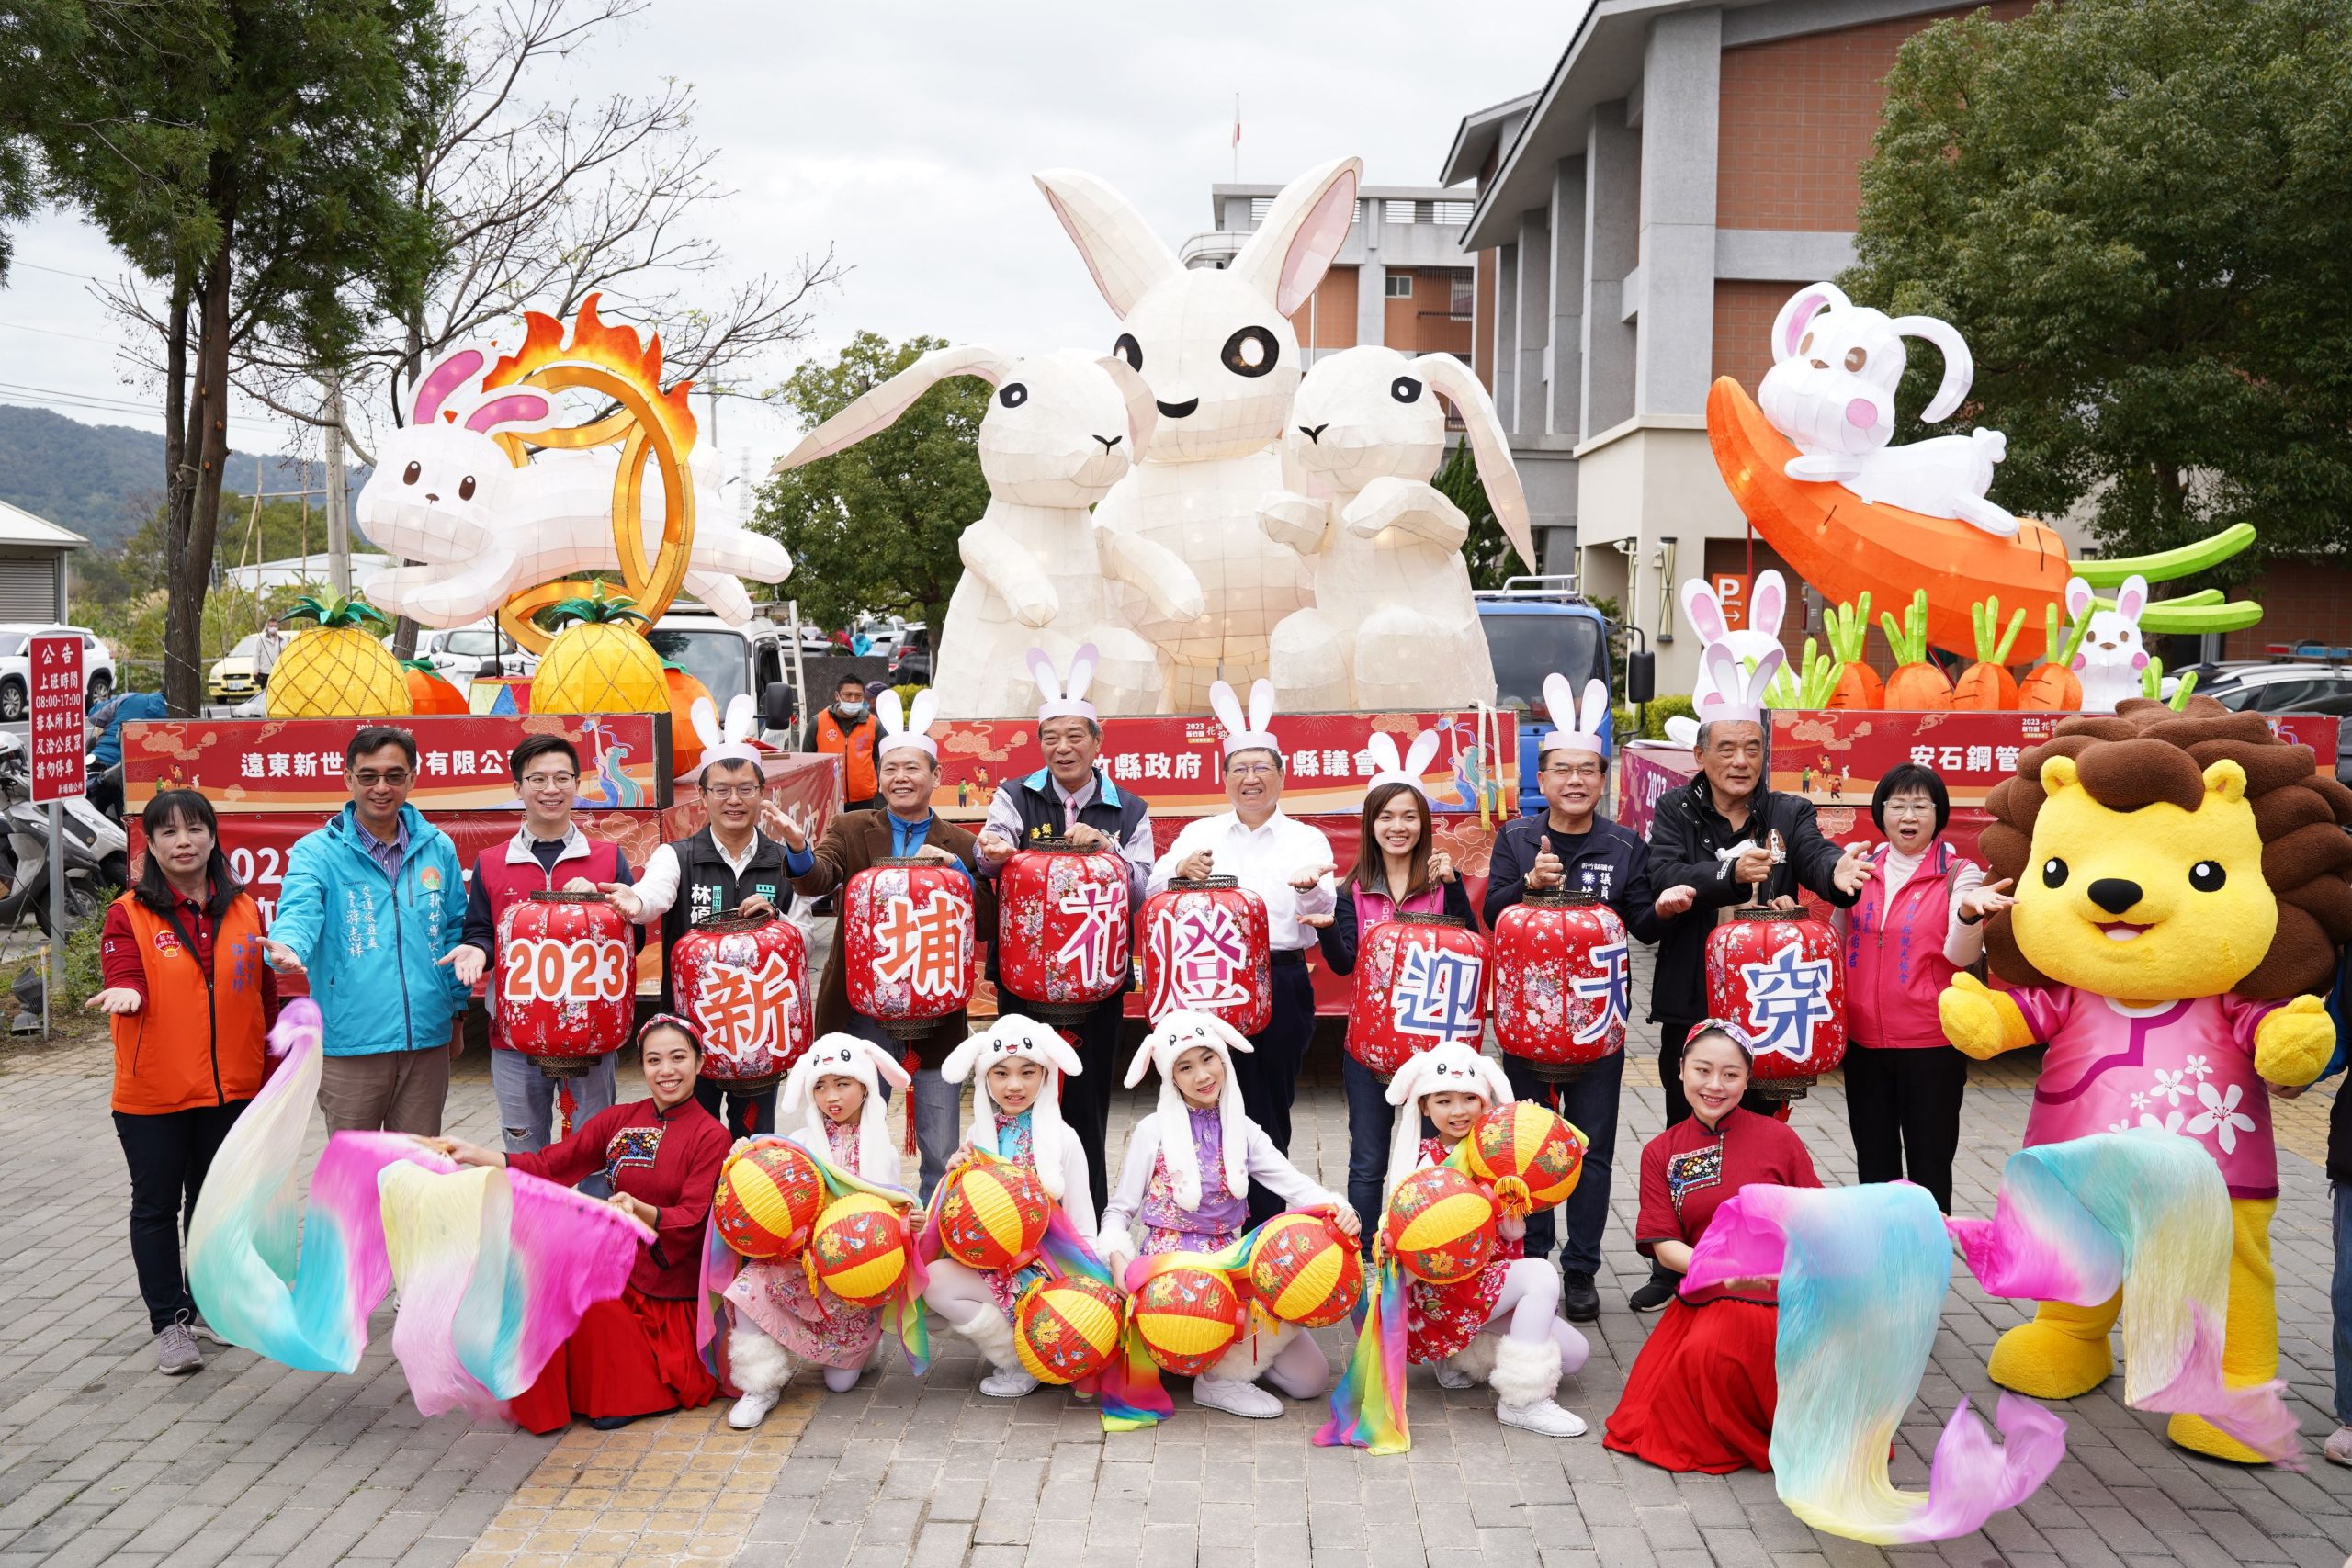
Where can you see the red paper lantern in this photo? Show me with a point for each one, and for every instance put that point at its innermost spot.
(744, 981)
(566, 985)
(768, 1201)
(908, 924)
(1420, 979)
(1779, 975)
(1188, 1316)
(1560, 983)
(1062, 940)
(1305, 1271)
(1205, 949)
(1067, 1330)
(1439, 1225)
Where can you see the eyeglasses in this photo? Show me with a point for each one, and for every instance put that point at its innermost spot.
(549, 781)
(1250, 770)
(733, 792)
(397, 778)
(1589, 774)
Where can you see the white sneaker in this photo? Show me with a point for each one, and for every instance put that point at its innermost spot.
(752, 1409)
(1544, 1417)
(1008, 1383)
(1451, 1376)
(1236, 1398)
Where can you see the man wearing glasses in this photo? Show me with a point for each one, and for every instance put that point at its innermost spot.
(728, 866)
(548, 853)
(369, 904)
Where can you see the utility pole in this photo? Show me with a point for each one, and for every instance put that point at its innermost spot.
(338, 509)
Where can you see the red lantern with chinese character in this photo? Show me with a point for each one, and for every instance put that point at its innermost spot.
(908, 924)
(1062, 942)
(1205, 949)
(744, 981)
(1419, 979)
(566, 990)
(1779, 975)
(1560, 983)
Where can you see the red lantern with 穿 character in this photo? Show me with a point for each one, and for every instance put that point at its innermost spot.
(1560, 983)
(566, 984)
(908, 924)
(1206, 949)
(1062, 937)
(1779, 975)
(744, 981)
(1419, 979)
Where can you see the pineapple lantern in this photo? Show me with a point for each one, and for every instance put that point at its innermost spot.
(337, 669)
(600, 662)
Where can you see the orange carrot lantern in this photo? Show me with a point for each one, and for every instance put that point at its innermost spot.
(1808, 683)
(685, 741)
(1916, 687)
(2054, 687)
(429, 690)
(1986, 686)
(1849, 626)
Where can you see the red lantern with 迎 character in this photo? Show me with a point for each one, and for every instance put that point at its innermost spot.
(1206, 949)
(1777, 973)
(566, 984)
(1560, 983)
(1419, 979)
(908, 924)
(1062, 939)
(744, 981)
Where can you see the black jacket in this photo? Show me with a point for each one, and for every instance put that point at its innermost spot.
(1339, 939)
(1684, 836)
(1609, 861)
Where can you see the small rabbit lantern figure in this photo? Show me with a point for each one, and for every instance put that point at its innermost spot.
(2113, 653)
(1767, 601)
(1831, 391)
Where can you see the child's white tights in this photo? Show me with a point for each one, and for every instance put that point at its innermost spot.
(1528, 1310)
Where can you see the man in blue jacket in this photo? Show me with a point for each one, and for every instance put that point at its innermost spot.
(369, 904)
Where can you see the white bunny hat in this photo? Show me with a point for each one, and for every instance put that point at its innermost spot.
(1738, 695)
(846, 1055)
(1023, 1038)
(732, 741)
(1064, 698)
(1251, 734)
(1449, 1065)
(1407, 770)
(1577, 725)
(905, 728)
(1176, 1033)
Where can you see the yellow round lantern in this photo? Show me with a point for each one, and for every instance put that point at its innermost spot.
(769, 1198)
(993, 1217)
(1439, 1225)
(1067, 1329)
(1304, 1271)
(1528, 1154)
(858, 1249)
(1188, 1316)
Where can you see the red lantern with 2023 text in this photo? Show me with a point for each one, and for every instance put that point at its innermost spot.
(1063, 942)
(908, 926)
(566, 986)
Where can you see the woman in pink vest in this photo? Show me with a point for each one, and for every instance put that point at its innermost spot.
(1920, 920)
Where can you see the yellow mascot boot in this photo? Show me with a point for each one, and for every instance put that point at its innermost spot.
(2062, 1353)
(2250, 1353)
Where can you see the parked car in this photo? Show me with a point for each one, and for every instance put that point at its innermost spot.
(236, 674)
(16, 666)
(911, 656)
(731, 660)
(462, 653)
(2300, 686)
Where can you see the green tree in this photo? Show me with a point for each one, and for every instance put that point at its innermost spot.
(244, 154)
(875, 527)
(1484, 549)
(2135, 210)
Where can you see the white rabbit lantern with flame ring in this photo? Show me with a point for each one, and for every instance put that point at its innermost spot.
(1395, 623)
(1217, 348)
(1061, 431)
(1831, 392)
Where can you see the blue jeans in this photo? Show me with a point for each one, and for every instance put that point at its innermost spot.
(2342, 1301)
(1370, 1118)
(1589, 1103)
(526, 1097)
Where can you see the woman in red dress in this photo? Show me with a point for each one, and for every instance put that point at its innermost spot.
(1701, 1392)
(634, 1357)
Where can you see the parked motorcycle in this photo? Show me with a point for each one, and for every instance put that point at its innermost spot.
(97, 851)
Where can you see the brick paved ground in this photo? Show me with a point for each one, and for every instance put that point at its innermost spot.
(103, 1460)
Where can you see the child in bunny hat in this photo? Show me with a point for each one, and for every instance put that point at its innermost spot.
(1506, 1314)
(1399, 870)
(777, 1312)
(1017, 1069)
(1189, 1163)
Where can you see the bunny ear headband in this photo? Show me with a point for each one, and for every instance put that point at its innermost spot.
(1408, 769)
(1252, 733)
(1064, 699)
(1176, 1033)
(904, 728)
(1738, 695)
(1576, 727)
(732, 742)
(1450, 1065)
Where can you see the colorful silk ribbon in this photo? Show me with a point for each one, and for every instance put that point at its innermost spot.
(1863, 1274)
(2145, 1212)
(1368, 1402)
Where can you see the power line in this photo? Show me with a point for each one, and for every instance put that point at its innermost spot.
(53, 332)
(85, 276)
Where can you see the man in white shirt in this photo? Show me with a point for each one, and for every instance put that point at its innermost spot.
(1288, 865)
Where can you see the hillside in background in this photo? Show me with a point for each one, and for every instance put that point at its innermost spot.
(103, 480)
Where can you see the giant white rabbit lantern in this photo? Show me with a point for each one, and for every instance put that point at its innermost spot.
(1060, 432)
(1395, 623)
(1216, 347)
(493, 530)
(1831, 392)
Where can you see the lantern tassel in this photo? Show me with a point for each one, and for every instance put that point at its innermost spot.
(911, 1061)
(564, 1101)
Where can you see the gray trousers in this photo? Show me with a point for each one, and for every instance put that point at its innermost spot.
(939, 1122)
(526, 1097)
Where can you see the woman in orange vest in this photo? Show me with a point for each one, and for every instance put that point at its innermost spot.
(847, 730)
(192, 1003)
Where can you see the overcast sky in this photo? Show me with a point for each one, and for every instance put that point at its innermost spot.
(904, 136)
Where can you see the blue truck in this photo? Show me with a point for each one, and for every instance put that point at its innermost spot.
(1537, 627)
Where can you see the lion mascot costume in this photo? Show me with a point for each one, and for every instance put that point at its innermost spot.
(2181, 888)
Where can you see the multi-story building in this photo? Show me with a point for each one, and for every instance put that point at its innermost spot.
(1638, 221)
